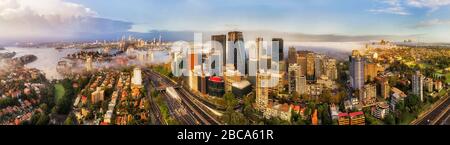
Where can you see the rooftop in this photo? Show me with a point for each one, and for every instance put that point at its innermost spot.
(216, 79)
(353, 114)
(342, 114)
(241, 84)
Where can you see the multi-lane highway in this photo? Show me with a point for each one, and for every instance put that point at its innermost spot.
(436, 115)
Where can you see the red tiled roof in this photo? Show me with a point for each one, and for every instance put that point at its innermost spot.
(297, 108)
(285, 107)
(342, 114)
(216, 79)
(353, 114)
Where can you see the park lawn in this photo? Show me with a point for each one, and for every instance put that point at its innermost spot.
(370, 120)
(442, 92)
(407, 118)
(447, 76)
(59, 91)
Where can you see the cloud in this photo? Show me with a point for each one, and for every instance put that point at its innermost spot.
(433, 22)
(52, 19)
(391, 10)
(400, 7)
(392, 7)
(432, 4)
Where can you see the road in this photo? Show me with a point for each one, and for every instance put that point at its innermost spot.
(444, 119)
(436, 115)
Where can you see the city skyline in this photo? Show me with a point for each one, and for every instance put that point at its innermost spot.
(420, 20)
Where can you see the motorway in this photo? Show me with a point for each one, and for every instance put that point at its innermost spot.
(186, 109)
(438, 115)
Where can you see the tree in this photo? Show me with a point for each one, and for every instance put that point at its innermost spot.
(69, 120)
(44, 107)
(90, 115)
(105, 105)
(295, 97)
(43, 119)
(231, 117)
(248, 110)
(325, 114)
(336, 99)
(305, 97)
(54, 110)
(5, 102)
(230, 100)
(35, 117)
(413, 103)
(296, 119)
(276, 121)
(325, 97)
(389, 119)
(400, 106)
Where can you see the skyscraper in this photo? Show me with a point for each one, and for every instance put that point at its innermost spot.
(254, 60)
(368, 95)
(220, 44)
(277, 54)
(301, 60)
(310, 67)
(293, 74)
(385, 89)
(236, 51)
(297, 81)
(177, 63)
(417, 84)
(318, 66)
(265, 61)
(301, 85)
(259, 46)
(292, 55)
(329, 68)
(370, 71)
(259, 50)
(262, 90)
(356, 70)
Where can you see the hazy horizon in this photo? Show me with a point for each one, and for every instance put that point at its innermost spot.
(307, 20)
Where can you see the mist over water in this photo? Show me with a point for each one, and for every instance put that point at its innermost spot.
(48, 58)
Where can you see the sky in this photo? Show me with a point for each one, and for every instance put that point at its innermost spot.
(426, 20)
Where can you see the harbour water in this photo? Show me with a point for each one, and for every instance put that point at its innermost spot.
(48, 58)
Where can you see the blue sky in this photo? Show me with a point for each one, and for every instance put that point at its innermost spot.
(347, 17)
(428, 18)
